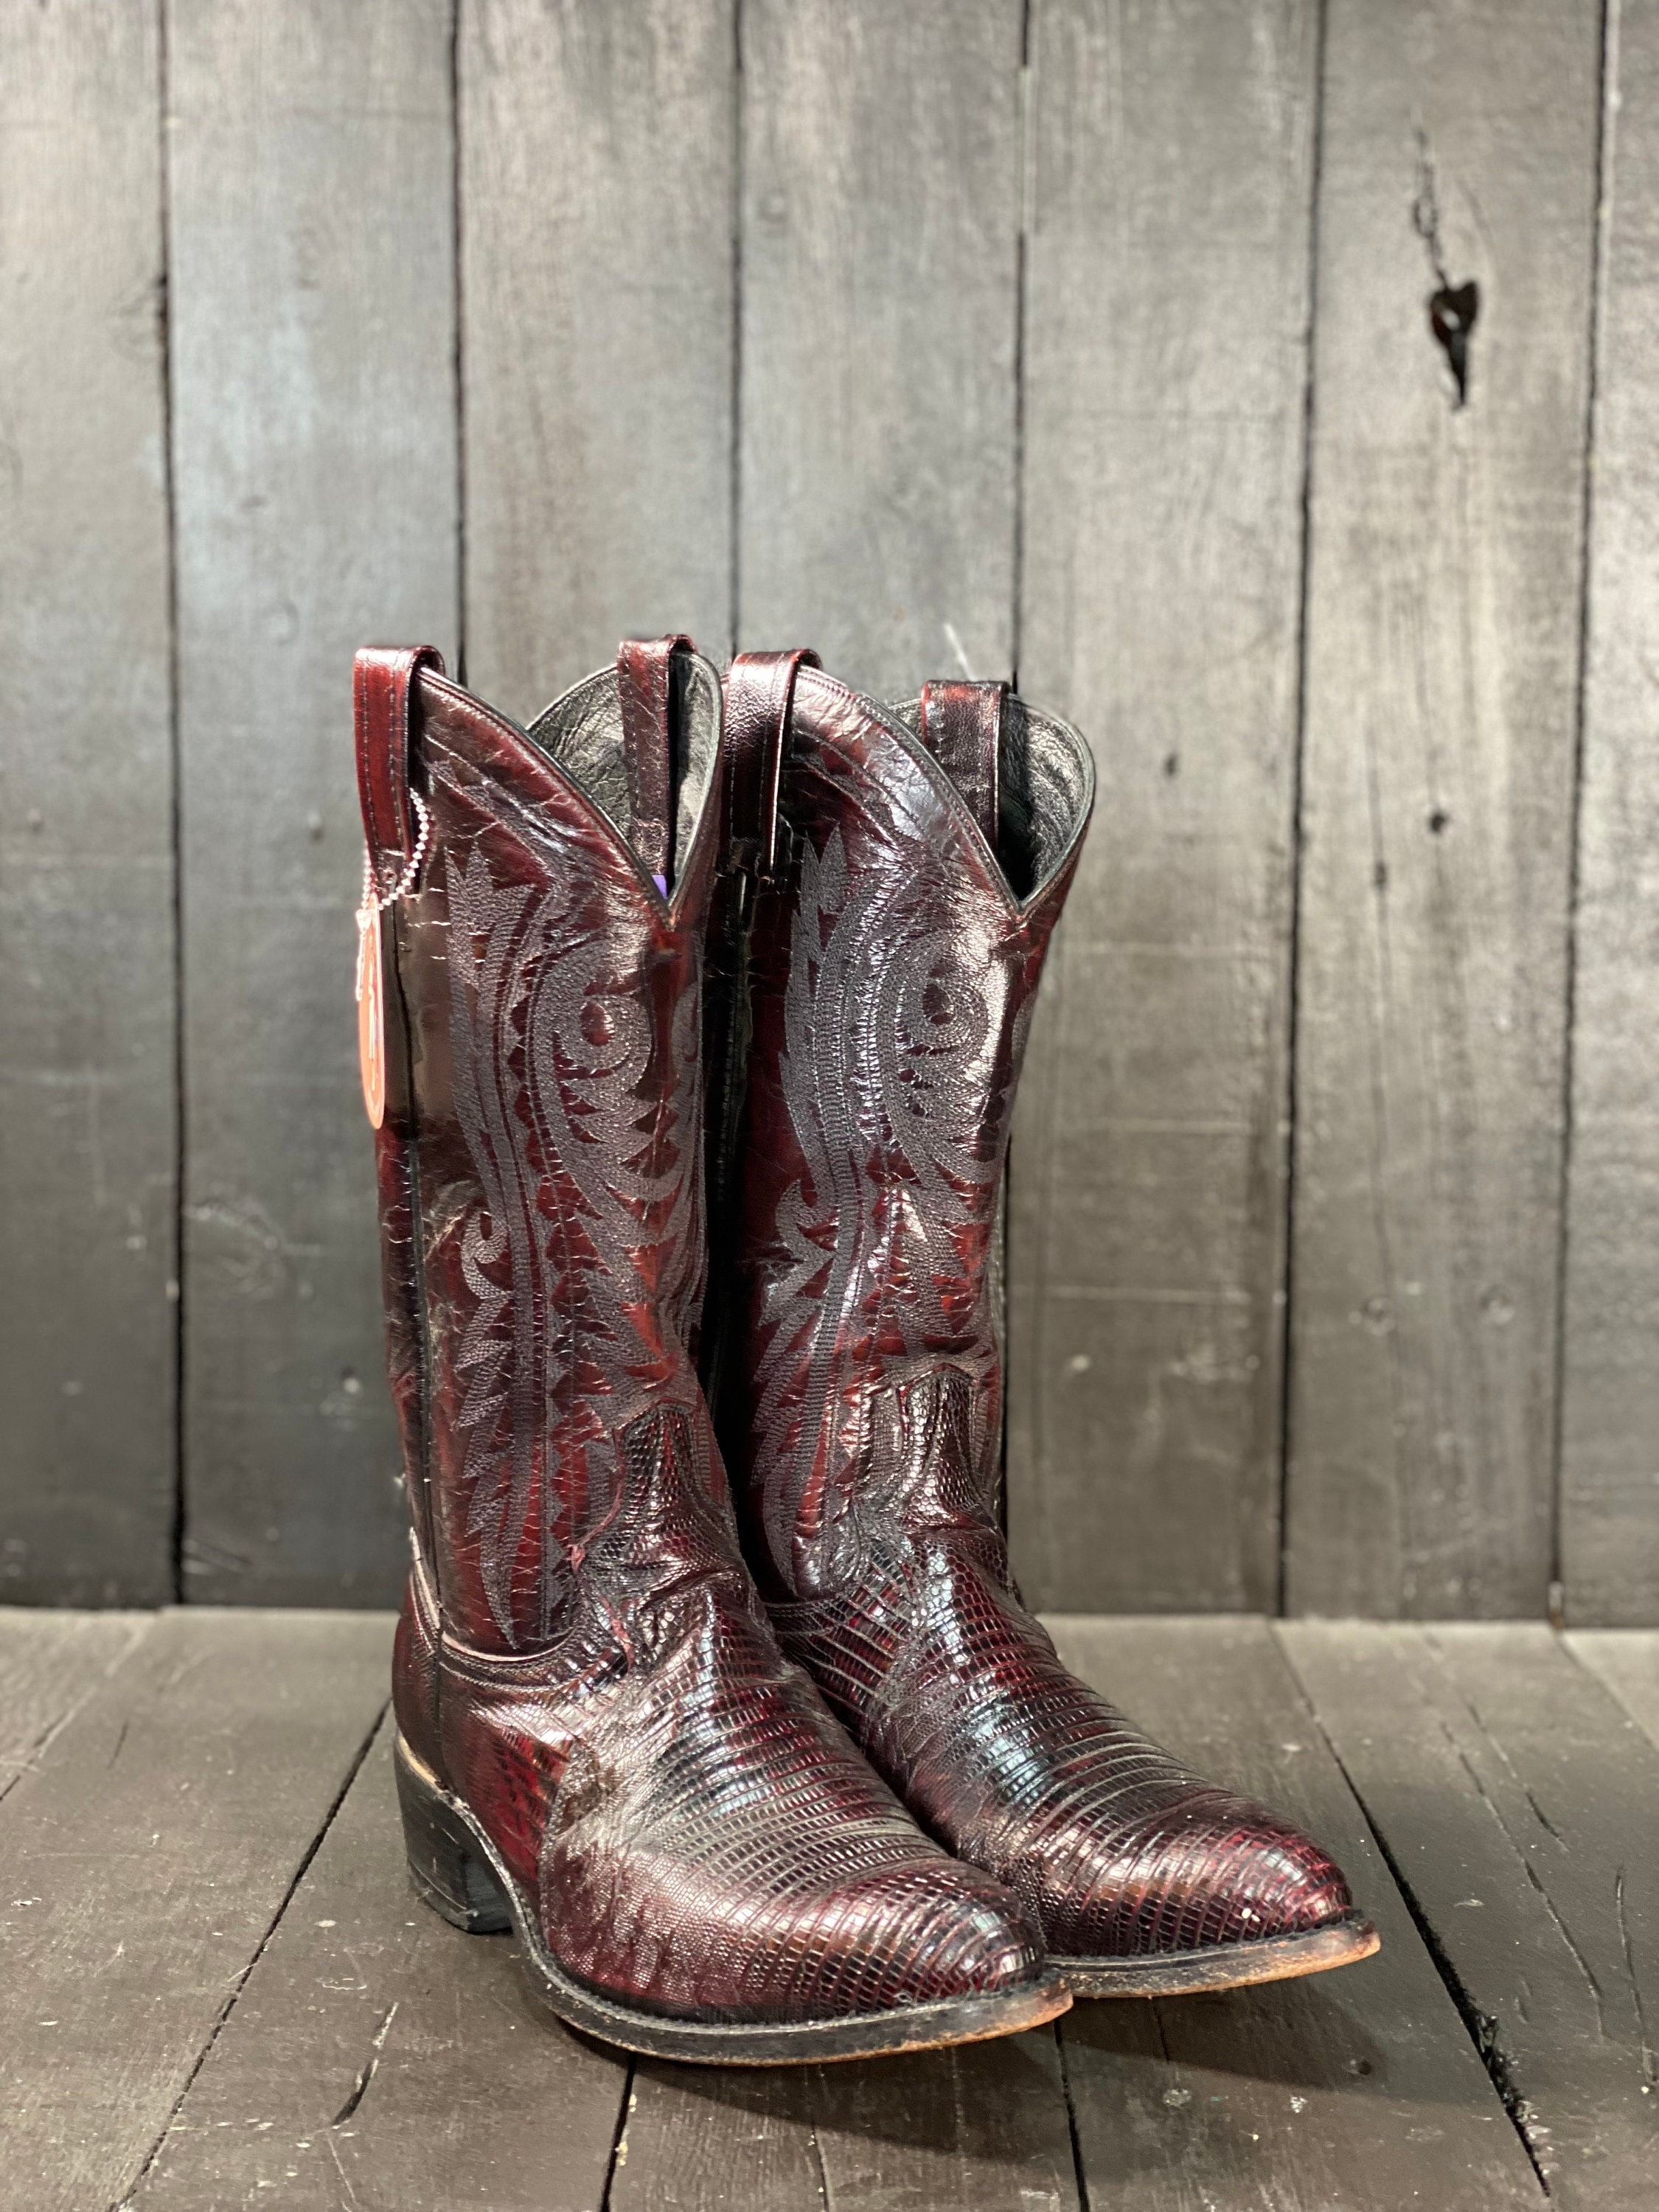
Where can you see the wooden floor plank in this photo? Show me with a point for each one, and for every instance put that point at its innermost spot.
(148, 1850)
(981, 2129)
(464, 2094)
(375, 2059)
(1355, 2090)
(719, 2139)
(1627, 1661)
(1518, 1802)
(49, 1664)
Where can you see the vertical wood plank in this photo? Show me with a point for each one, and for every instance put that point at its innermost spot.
(1443, 630)
(880, 304)
(1166, 322)
(313, 197)
(598, 150)
(87, 1110)
(1609, 1504)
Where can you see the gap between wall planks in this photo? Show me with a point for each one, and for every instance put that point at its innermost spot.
(1162, 271)
(1442, 625)
(1165, 382)
(1609, 1472)
(88, 1138)
(314, 337)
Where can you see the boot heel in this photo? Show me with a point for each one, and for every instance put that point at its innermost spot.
(449, 1872)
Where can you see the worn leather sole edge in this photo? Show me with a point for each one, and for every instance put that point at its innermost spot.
(1223, 1966)
(444, 1867)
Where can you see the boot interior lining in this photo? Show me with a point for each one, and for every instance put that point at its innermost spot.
(582, 732)
(1043, 778)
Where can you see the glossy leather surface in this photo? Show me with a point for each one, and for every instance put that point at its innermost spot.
(582, 1658)
(894, 969)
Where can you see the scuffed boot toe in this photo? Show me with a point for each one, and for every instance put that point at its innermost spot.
(1217, 1894)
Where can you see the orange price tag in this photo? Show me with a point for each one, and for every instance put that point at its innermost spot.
(371, 1014)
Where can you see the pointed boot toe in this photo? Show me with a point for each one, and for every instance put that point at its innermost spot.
(1208, 1890)
(937, 1932)
(1147, 1879)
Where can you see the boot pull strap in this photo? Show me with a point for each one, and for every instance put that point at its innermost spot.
(382, 680)
(645, 687)
(760, 688)
(962, 727)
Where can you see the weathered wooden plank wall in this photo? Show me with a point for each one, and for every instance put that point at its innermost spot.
(1085, 339)
(598, 153)
(1166, 391)
(313, 340)
(1442, 620)
(1609, 1469)
(89, 1149)
(880, 269)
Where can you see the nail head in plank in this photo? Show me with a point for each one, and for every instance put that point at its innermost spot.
(596, 195)
(377, 2056)
(1443, 630)
(147, 1852)
(88, 1106)
(1517, 1799)
(880, 226)
(1358, 2089)
(1167, 292)
(311, 155)
(1609, 1508)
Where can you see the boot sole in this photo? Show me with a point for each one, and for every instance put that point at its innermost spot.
(457, 1870)
(1223, 1966)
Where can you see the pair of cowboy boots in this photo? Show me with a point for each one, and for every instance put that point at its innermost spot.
(781, 1770)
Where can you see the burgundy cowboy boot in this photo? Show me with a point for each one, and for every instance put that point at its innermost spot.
(910, 865)
(599, 1742)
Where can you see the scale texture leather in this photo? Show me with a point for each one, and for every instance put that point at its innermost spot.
(893, 973)
(582, 1658)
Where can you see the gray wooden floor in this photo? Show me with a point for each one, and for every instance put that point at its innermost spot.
(218, 1991)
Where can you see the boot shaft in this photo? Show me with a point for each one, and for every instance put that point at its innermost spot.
(896, 951)
(540, 1162)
